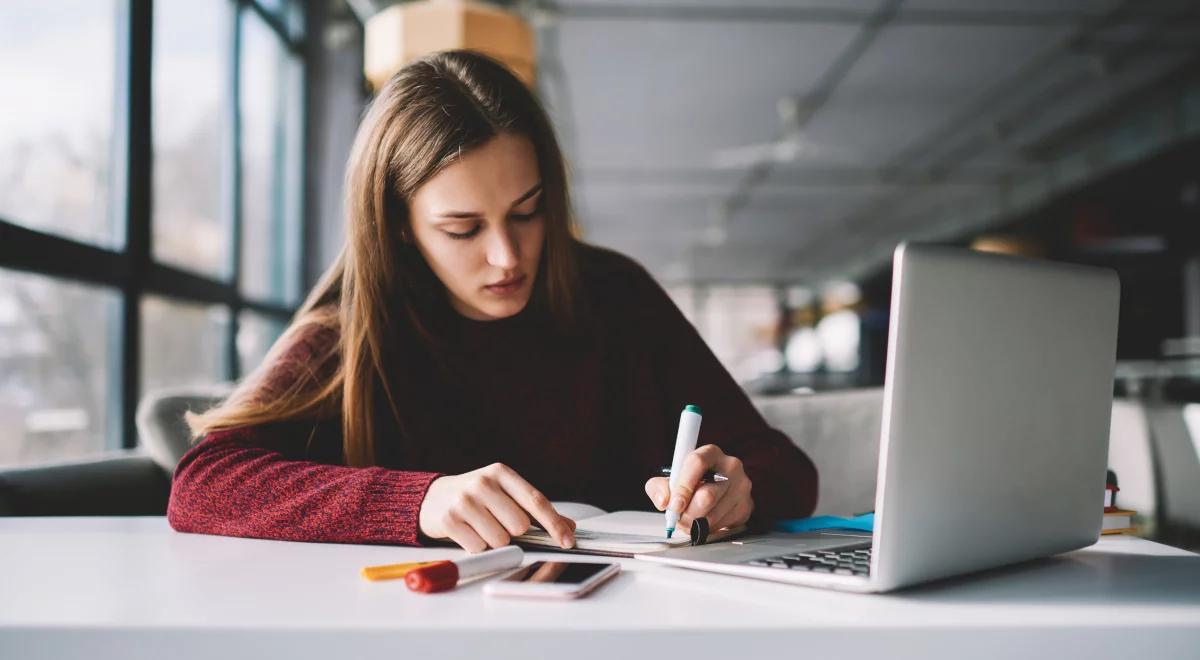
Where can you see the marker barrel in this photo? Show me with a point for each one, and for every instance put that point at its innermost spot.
(685, 443)
(444, 575)
(510, 556)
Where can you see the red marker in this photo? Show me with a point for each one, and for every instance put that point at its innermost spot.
(444, 575)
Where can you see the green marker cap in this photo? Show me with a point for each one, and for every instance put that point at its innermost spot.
(692, 408)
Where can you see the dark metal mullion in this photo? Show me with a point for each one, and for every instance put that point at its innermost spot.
(278, 312)
(189, 287)
(234, 117)
(186, 286)
(138, 191)
(33, 251)
(28, 250)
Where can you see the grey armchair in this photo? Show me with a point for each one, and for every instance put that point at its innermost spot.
(163, 434)
(121, 484)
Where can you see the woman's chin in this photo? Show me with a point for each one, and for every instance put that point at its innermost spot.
(495, 310)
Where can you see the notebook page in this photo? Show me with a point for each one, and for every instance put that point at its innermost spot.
(622, 532)
(577, 510)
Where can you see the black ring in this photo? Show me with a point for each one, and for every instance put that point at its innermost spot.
(699, 531)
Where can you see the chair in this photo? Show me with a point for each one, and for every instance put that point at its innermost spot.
(1177, 463)
(840, 432)
(130, 482)
(162, 432)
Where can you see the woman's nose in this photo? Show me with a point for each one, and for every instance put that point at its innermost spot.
(502, 250)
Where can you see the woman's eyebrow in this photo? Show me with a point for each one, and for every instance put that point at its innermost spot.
(537, 187)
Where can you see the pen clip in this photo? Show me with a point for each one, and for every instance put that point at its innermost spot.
(710, 476)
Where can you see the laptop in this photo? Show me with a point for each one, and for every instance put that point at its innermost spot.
(996, 410)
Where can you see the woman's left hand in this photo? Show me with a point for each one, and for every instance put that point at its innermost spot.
(725, 503)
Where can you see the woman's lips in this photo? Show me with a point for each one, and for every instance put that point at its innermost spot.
(507, 287)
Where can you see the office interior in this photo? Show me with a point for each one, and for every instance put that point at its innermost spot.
(171, 174)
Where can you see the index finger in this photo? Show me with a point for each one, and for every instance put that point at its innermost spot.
(690, 475)
(538, 506)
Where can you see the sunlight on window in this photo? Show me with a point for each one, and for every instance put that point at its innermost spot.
(271, 99)
(56, 362)
(192, 47)
(182, 343)
(56, 143)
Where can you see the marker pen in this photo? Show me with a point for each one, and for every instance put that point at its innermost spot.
(392, 571)
(444, 575)
(685, 443)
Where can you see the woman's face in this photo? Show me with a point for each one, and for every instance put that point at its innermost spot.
(479, 225)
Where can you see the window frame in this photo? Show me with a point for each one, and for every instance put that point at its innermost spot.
(132, 270)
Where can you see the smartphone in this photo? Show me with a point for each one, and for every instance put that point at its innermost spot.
(552, 579)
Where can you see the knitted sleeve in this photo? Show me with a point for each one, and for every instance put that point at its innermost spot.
(261, 481)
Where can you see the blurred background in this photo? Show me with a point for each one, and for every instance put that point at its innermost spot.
(170, 180)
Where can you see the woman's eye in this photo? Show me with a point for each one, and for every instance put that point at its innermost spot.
(525, 217)
(458, 236)
(518, 217)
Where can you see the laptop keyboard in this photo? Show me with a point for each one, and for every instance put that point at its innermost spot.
(843, 562)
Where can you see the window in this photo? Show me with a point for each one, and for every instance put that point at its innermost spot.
(183, 343)
(128, 178)
(271, 132)
(57, 350)
(56, 139)
(191, 91)
(256, 334)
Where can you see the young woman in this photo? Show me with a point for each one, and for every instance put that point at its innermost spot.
(466, 360)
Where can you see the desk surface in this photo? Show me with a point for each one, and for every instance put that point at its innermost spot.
(132, 587)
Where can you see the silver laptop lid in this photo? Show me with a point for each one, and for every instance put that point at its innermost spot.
(996, 412)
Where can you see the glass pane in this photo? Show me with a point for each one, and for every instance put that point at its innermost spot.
(271, 96)
(59, 368)
(191, 138)
(182, 343)
(57, 63)
(256, 334)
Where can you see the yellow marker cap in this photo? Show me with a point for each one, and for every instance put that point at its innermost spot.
(391, 571)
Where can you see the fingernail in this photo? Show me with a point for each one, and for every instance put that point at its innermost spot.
(662, 502)
(568, 541)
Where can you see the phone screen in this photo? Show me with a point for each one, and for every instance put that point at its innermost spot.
(557, 572)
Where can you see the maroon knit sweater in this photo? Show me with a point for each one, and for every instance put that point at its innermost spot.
(585, 420)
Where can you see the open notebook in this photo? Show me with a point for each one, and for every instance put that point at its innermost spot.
(618, 534)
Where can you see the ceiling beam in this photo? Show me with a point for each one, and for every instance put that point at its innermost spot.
(830, 15)
(1023, 195)
(975, 126)
(814, 100)
(790, 176)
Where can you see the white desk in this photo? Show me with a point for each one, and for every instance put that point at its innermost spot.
(132, 588)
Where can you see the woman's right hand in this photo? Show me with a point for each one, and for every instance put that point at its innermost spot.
(487, 507)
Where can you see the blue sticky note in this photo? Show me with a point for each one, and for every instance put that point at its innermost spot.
(863, 523)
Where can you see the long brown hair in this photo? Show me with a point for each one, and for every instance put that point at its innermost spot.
(380, 291)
